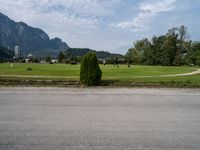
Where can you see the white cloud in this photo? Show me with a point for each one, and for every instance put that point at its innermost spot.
(75, 21)
(147, 11)
(93, 23)
(74, 12)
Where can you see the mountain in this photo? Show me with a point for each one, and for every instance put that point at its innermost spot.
(5, 53)
(36, 41)
(31, 40)
(79, 52)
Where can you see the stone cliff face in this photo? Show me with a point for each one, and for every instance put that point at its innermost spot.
(31, 40)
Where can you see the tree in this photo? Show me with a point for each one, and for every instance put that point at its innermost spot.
(170, 49)
(193, 55)
(90, 72)
(73, 59)
(138, 54)
(185, 43)
(172, 46)
(157, 50)
(183, 35)
(5, 54)
(61, 57)
(179, 37)
(133, 56)
(48, 59)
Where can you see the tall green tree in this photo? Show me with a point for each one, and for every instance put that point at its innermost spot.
(133, 56)
(157, 50)
(171, 46)
(48, 59)
(169, 49)
(144, 48)
(139, 54)
(61, 57)
(193, 55)
(90, 72)
(179, 37)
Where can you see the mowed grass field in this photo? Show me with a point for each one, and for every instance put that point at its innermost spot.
(141, 74)
(72, 71)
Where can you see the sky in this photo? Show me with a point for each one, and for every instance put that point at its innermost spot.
(108, 25)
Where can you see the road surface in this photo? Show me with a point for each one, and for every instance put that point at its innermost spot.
(99, 119)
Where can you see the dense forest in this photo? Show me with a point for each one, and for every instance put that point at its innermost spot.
(172, 49)
(5, 54)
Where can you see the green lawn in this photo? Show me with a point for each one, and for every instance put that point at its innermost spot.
(121, 74)
(40, 70)
(109, 71)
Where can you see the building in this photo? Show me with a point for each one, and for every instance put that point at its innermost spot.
(27, 60)
(17, 52)
(30, 56)
(54, 61)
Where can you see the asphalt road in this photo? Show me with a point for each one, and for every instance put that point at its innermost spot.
(99, 119)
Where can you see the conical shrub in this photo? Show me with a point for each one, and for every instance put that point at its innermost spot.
(90, 72)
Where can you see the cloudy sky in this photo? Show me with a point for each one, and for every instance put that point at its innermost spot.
(111, 25)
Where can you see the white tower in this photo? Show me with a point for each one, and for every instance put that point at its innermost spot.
(17, 52)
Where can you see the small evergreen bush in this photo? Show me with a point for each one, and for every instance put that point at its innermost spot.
(90, 72)
(29, 69)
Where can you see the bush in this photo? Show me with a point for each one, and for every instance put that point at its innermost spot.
(29, 69)
(73, 62)
(90, 73)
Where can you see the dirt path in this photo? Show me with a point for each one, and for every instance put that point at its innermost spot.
(173, 75)
(170, 75)
(184, 74)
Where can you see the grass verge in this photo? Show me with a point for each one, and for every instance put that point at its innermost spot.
(177, 82)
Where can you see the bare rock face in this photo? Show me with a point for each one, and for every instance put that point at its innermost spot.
(31, 40)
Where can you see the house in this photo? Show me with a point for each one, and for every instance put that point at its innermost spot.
(27, 60)
(54, 61)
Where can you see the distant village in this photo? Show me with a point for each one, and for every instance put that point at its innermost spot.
(20, 57)
(30, 58)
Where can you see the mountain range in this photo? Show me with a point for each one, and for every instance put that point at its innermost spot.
(31, 40)
(36, 41)
(79, 52)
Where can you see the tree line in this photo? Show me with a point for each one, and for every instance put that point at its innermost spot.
(172, 49)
